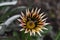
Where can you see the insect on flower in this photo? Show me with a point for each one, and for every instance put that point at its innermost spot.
(33, 22)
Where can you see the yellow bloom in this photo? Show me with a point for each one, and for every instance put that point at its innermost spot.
(33, 22)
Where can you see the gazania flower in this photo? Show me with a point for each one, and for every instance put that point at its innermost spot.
(33, 22)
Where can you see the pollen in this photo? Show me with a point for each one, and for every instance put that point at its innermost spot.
(30, 24)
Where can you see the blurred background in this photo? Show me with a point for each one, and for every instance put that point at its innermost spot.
(50, 7)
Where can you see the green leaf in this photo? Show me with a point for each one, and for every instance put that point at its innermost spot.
(58, 36)
(16, 35)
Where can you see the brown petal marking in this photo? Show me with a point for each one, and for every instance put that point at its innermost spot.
(37, 16)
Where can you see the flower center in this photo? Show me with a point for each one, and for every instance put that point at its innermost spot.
(30, 24)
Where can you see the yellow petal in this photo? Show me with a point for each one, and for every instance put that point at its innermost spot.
(40, 29)
(46, 24)
(24, 19)
(26, 31)
(28, 12)
(39, 33)
(30, 33)
(33, 31)
(35, 10)
(38, 11)
(44, 28)
(40, 23)
(32, 10)
(21, 17)
(22, 29)
(22, 13)
(19, 20)
(44, 19)
(20, 24)
(41, 14)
